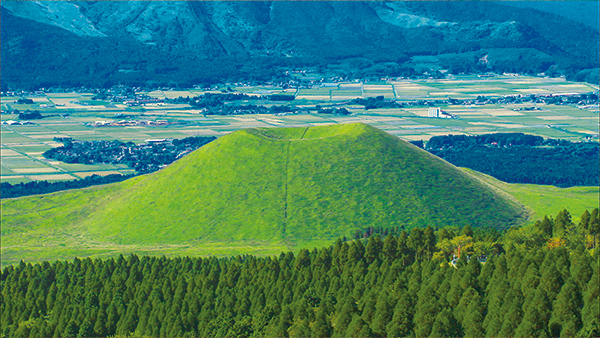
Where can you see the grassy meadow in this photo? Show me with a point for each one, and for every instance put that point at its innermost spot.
(57, 225)
(257, 191)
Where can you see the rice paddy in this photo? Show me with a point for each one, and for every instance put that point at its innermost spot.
(23, 145)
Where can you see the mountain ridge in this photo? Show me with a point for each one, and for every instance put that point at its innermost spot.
(155, 40)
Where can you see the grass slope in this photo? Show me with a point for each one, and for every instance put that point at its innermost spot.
(546, 199)
(257, 191)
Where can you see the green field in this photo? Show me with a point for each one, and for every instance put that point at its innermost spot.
(223, 201)
(257, 191)
(546, 200)
(566, 122)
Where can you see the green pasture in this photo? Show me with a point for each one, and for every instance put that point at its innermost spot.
(48, 237)
(315, 91)
(22, 162)
(77, 167)
(16, 180)
(11, 137)
(231, 196)
(32, 148)
(71, 95)
(66, 127)
(566, 122)
(6, 171)
(546, 199)
(386, 94)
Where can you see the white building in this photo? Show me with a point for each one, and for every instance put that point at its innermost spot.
(434, 112)
(438, 113)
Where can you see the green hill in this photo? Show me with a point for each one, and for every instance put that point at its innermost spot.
(260, 191)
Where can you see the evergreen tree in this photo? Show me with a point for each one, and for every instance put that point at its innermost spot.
(344, 317)
(531, 280)
(71, 330)
(404, 252)
(561, 223)
(546, 226)
(460, 311)
(426, 311)
(401, 324)
(566, 313)
(512, 310)
(467, 230)
(86, 330)
(472, 321)
(383, 314)
(536, 317)
(416, 242)
(358, 328)
(594, 226)
(581, 268)
(551, 281)
(390, 248)
(430, 241)
(373, 249)
(584, 220)
(590, 314)
(445, 325)
(321, 326)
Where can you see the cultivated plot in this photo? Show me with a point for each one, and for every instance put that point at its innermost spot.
(74, 116)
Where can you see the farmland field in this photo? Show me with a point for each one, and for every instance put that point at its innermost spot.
(74, 114)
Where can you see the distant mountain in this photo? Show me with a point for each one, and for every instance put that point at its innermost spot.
(269, 187)
(586, 12)
(141, 42)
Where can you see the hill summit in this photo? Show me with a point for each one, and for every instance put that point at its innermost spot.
(296, 186)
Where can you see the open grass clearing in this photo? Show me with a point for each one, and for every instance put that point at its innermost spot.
(6, 171)
(555, 118)
(56, 177)
(34, 170)
(313, 97)
(387, 95)
(16, 179)
(5, 152)
(84, 174)
(64, 95)
(22, 162)
(47, 136)
(546, 199)
(500, 125)
(583, 131)
(14, 138)
(76, 167)
(502, 112)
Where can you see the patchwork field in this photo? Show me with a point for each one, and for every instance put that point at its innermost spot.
(23, 145)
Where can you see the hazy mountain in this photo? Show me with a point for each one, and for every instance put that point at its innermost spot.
(133, 41)
(586, 12)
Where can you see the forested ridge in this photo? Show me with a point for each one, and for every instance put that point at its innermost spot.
(522, 158)
(540, 281)
(45, 187)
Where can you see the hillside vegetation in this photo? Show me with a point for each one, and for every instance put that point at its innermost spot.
(538, 283)
(260, 190)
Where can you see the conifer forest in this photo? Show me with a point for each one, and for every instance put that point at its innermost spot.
(539, 281)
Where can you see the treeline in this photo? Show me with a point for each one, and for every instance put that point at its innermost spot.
(31, 114)
(44, 187)
(400, 286)
(521, 158)
(144, 158)
(376, 102)
(248, 109)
